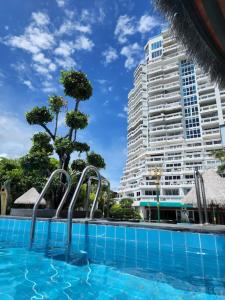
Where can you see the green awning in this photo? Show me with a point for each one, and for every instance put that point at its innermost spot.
(165, 204)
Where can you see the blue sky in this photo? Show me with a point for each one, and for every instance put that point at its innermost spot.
(103, 38)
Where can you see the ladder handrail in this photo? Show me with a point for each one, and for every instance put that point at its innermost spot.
(75, 196)
(60, 207)
(34, 213)
(103, 181)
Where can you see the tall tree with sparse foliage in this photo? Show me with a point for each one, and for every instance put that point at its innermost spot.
(78, 87)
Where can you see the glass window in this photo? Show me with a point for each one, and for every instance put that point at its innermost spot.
(156, 53)
(192, 122)
(191, 111)
(188, 80)
(187, 70)
(156, 45)
(193, 133)
(189, 90)
(190, 100)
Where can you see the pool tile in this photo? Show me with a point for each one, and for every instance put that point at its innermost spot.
(208, 242)
(165, 238)
(178, 239)
(141, 235)
(101, 230)
(220, 244)
(76, 228)
(120, 232)
(153, 237)
(110, 231)
(130, 234)
(92, 230)
(192, 241)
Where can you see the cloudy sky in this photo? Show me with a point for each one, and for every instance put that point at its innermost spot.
(103, 38)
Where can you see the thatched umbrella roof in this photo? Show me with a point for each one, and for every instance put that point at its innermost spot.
(214, 190)
(30, 197)
(200, 26)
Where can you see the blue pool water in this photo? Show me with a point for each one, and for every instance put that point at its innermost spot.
(109, 262)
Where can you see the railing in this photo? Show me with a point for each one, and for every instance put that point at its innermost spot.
(75, 196)
(34, 214)
(87, 200)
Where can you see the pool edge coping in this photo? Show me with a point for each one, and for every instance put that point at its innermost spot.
(213, 229)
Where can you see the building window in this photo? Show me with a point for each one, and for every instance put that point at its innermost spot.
(190, 100)
(156, 53)
(172, 192)
(189, 90)
(191, 111)
(192, 122)
(185, 63)
(156, 45)
(194, 133)
(138, 193)
(150, 193)
(188, 80)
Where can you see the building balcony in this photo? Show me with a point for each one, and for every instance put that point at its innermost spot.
(209, 133)
(154, 89)
(154, 70)
(172, 96)
(208, 108)
(157, 119)
(207, 98)
(170, 49)
(205, 87)
(173, 85)
(171, 76)
(171, 66)
(222, 94)
(174, 116)
(208, 122)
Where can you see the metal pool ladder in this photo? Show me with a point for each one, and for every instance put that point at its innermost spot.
(75, 196)
(104, 181)
(34, 214)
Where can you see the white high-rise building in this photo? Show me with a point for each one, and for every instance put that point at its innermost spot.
(174, 118)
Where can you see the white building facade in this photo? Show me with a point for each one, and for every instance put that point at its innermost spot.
(174, 118)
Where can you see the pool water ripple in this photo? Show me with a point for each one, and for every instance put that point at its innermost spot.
(100, 266)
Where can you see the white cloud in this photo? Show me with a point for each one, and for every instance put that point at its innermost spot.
(36, 37)
(125, 108)
(128, 26)
(147, 23)
(68, 27)
(101, 15)
(83, 43)
(110, 55)
(133, 53)
(125, 26)
(102, 81)
(61, 3)
(44, 70)
(48, 87)
(15, 135)
(65, 62)
(29, 84)
(64, 49)
(40, 18)
(41, 59)
(122, 115)
(105, 86)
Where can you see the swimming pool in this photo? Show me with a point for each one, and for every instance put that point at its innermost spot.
(109, 262)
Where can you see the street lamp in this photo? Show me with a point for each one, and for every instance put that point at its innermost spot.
(157, 173)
